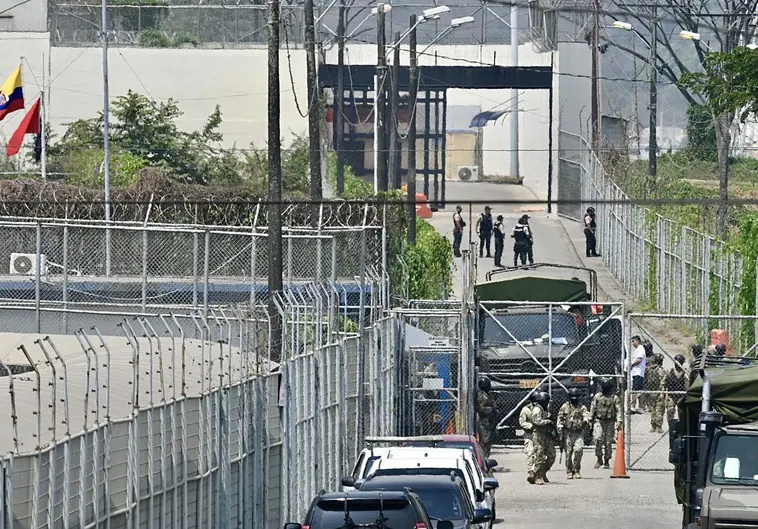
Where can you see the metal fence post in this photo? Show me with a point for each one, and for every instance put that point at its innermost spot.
(144, 269)
(65, 279)
(38, 278)
(206, 273)
(195, 265)
(361, 341)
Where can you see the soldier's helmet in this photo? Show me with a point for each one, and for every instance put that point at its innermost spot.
(485, 384)
(533, 396)
(679, 359)
(721, 349)
(542, 398)
(574, 394)
(605, 386)
(658, 359)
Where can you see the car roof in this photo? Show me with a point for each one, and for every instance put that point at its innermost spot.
(459, 437)
(418, 480)
(427, 452)
(432, 462)
(362, 495)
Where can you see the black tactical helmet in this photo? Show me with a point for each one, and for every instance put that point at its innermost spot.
(679, 359)
(542, 398)
(485, 384)
(658, 359)
(533, 396)
(574, 394)
(605, 386)
(697, 350)
(721, 349)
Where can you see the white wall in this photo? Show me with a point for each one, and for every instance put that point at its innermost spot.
(237, 81)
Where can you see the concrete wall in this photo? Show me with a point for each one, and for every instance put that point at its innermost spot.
(461, 150)
(236, 80)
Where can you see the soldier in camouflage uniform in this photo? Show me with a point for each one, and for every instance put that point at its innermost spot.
(605, 412)
(657, 400)
(484, 408)
(544, 447)
(572, 418)
(525, 423)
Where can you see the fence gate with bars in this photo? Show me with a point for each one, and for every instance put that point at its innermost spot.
(523, 346)
(436, 369)
(668, 336)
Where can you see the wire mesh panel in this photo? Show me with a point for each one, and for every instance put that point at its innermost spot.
(526, 347)
(673, 342)
(435, 372)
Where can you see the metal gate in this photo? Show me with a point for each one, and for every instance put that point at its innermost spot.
(569, 175)
(524, 346)
(668, 336)
(436, 369)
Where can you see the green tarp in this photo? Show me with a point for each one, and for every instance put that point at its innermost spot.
(533, 289)
(734, 393)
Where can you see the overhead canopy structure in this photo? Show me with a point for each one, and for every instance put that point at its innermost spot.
(481, 119)
(734, 393)
(537, 289)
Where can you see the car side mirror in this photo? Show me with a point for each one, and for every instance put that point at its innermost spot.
(445, 524)
(490, 463)
(479, 496)
(491, 483)
(348, 481)
(292, 525)
(482, 516)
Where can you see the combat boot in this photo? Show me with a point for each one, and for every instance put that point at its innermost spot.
(577, 475)
(599, 463)
(544, 478)
(569, 475)
(539, 481)
(607, 464)
(530, 478)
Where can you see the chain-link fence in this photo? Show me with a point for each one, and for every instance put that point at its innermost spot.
(182, 418)
(523, 347)
(74, 265)
(665, 337)
(660, 262)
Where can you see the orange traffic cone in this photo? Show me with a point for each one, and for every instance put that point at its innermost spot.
(619, 465)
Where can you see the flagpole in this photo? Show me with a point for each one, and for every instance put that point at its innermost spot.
(106, 140)
(43, 119)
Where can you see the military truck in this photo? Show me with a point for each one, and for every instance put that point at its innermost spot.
(516, 343)
(713, 445)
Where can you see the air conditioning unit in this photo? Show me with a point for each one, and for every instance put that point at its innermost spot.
(467, 173)
(25, 264)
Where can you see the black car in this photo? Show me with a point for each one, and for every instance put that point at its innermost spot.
(338, 510)
(444, 497)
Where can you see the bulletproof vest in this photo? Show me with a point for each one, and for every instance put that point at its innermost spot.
(521, 234)
(486, 225)
(498, 230)
(605, 408)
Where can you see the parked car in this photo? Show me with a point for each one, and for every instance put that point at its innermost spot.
(481, 482)
(444, 498)
(362, 463)
(345, 510)
(467, 442)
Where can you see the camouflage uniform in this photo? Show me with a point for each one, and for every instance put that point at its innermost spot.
(544, 448)
(676, 382)
(525, 422)
(657, 401)
(605, 413)
(570, 424)
(484, 408)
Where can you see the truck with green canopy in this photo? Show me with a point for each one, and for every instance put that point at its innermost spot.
(713, 445)
(537, 320)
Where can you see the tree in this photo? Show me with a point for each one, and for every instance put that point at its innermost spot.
(727, 23)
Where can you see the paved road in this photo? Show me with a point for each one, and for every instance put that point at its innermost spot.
(644, 500)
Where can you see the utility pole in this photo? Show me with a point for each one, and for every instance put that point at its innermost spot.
(395, 152)
(314, 106)
(339, 118)
(106, 140)
(653, 143)
(274, 210)
(514, 106)
(412, 96)
(380, 104)
(596, 143)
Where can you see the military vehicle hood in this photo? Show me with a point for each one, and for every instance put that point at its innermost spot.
(539, 349)
(733, 502)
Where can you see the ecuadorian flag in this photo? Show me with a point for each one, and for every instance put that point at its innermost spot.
(11, 94)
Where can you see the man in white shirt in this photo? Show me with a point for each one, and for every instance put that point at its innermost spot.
(639, 359)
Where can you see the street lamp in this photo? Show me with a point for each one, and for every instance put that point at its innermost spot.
(652, 148)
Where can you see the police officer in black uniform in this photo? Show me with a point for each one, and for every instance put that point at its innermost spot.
(530, 242)
(520, 235)
(499, 232)
(484, 229)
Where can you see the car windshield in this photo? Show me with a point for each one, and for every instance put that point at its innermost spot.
(442, 504)
(735, 460)
(332, 514)
(526, 327)
(463, 445)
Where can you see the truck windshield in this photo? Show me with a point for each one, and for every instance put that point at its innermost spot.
(735, 460)
(526, 327)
